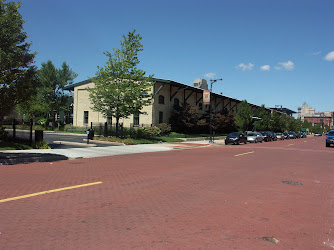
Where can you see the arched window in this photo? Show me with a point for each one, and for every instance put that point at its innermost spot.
(161, 99)
(176, 102)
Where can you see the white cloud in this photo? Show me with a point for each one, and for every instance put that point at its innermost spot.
(265, 67)
(286, 65)
(210, 75)
(316, 53)
(330, 56)
(245, 67)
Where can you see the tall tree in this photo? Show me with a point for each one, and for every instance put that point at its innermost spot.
(278, 123)
(17, 72)
(263, 121)
(243, 117)
(50, 96)
(121, 89)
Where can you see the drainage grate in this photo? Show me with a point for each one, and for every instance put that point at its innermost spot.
(270, 239)
(292, 183)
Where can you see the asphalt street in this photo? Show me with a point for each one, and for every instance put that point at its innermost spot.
(274, 195)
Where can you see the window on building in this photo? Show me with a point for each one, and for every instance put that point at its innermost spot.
(176, 102)
(161, 99)
(136, 119)
(85, 121)
(161, 117)
(109, 119)
(200, 106)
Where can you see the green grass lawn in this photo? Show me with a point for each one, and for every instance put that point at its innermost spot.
(6, 145)
(131, 141)
(180, 135)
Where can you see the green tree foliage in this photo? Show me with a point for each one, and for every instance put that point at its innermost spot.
(185, 119)
(121, 89)
(243, 117)
(223, 122)
(292, 124)
(50, 96)
(53, 81)
(278, 123)
(17, 73)
(263, 123)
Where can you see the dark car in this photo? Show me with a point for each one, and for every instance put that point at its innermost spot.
(235, 138)
(292, 135)
(265, 136)
(286, 135)
(330, 138)
(303, 135)
(298, 134)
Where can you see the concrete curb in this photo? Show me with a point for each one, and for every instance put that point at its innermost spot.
(107, 142)
(74, 143)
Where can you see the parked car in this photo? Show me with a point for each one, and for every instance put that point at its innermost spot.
(286, 135)
(330, 138)
(254, 137)
(292, 135)
(303, 135)
(265, 135)
(298, 134)
(235, 138)
(317, 134)
(274, 136)
(280, 136)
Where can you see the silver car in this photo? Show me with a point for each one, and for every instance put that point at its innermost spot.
(280, 136)
(254, 137)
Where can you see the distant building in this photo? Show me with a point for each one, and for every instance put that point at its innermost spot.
(305, 110)
(323, 118)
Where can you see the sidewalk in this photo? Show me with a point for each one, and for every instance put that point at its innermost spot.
(11, 157)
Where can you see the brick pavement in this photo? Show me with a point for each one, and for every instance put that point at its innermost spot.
(203, 198)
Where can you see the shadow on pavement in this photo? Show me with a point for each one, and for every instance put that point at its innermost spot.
(22, 158)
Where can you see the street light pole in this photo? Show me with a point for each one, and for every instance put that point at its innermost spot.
(210, 106)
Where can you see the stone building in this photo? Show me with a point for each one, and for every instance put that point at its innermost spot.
(305, 110)
(167, 93)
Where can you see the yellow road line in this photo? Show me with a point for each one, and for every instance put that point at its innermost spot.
(290, 145)
(49, 191)
(245, 153)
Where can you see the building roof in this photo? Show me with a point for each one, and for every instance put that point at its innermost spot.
(285, 110)
(175, 84)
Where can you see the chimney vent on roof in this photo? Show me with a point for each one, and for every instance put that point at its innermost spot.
(200, 83)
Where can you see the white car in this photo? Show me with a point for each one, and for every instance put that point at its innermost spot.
(254, 137)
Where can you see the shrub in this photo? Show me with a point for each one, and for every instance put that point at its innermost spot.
(148, 132)
(3, 133)
(165, 128)
(69, 128)
(43, 121)
(39, 127)
(41, 145)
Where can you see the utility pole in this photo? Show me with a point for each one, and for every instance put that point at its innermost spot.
(210, 106)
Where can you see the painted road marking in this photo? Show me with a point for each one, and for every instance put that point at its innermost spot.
(49, 191)
(290, 145)
(245, 153)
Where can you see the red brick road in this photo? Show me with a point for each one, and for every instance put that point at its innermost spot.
(204, 198)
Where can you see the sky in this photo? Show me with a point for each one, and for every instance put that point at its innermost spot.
(267, 52)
